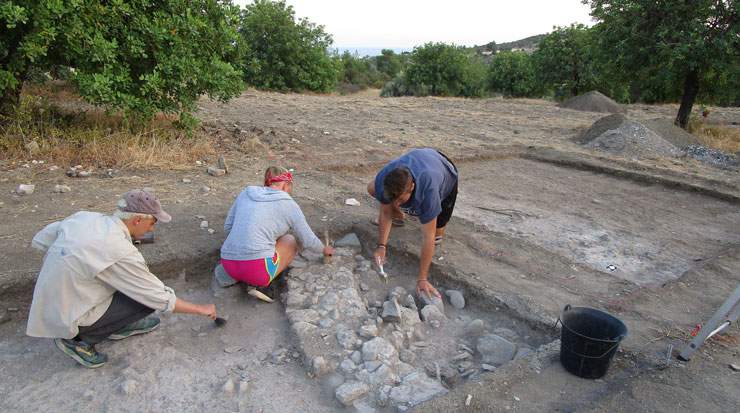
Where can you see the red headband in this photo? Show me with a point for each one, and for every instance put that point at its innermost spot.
(283, 177)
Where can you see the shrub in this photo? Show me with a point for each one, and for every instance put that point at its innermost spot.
(284, 54)
(512, 74)
(141, 56)
(564, 61)
(439, 69)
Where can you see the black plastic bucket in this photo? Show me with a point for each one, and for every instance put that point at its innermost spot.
(588, 340)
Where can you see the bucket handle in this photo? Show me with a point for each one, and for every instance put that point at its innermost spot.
(617, 340)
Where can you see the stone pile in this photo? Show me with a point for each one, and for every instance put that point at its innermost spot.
(371, 349)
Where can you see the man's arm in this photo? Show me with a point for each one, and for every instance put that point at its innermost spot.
(427, 252)
(44, 238)
(385, 216)
(131, 277)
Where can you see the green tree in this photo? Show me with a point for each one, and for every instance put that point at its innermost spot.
(285, 54)
(512, 74)
(564, 60)
(388, 63)
(444, 70)
(141, 56)
(357, 71)
(694, 42)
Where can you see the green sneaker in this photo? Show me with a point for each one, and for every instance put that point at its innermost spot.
(81, 352)
(142, 326)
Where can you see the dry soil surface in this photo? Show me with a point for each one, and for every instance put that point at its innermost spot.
(540, 223)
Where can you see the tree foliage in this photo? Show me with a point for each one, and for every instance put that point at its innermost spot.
(285, 54)
(389, 63)
(691, 44)
(513, 75)
(141, 56)
(565, 61)
(440, 69)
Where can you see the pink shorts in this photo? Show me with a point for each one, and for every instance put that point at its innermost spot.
(259, 272)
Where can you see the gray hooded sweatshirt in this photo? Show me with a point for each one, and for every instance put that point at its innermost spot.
(258, 217)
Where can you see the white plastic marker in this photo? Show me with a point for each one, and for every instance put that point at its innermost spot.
(382, 271)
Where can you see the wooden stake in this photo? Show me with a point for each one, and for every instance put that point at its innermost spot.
(327, 258)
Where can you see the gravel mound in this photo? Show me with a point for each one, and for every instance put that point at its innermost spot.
(621, 136)
(593, 101)
(712, 157)
(670, 132)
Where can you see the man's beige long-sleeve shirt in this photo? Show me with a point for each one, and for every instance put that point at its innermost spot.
(89, 256)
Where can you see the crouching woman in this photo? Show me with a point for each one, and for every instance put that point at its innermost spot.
(259, 246)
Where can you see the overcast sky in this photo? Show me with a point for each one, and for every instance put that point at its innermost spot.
(408, 23)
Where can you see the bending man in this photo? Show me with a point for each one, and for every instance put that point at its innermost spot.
(95, 285)
(423, 183)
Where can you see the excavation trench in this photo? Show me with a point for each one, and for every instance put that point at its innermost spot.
(377, 344)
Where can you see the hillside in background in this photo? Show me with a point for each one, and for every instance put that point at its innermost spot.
(528, 44)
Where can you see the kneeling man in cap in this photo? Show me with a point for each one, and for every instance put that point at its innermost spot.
(95, 285)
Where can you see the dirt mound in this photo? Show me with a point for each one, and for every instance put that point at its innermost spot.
(670, 132)
(593, 101)
(621, 136)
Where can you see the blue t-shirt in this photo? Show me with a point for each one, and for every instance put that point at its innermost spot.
(434, 178)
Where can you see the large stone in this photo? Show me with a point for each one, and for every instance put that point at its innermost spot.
(347, 366)
(346, 338)
(332, 381)
(475, 328)
(356, 357)
(379, 349)
(391, 312)
(426, 300)
(430, 313)
(382, 375)
(409, 302)
(214, 171)
(456, 299)
(415, 389)
(329, 301)
(369, 330)
(319, 366)
(409, 317)
(506, 333)
(308, 316)
(363, 406)
(350, 391)
(349, 241)
(296, 300)
(495, 349)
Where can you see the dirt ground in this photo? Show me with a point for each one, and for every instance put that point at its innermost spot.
(538, 224)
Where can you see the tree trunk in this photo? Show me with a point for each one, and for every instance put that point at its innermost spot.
(9, 101)
(690, 90)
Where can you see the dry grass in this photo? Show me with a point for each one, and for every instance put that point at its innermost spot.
(92, 137)
(724, 138)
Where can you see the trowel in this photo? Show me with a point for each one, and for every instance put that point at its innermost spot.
(382, 274)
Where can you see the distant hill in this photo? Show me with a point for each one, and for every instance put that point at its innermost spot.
(528, 44)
